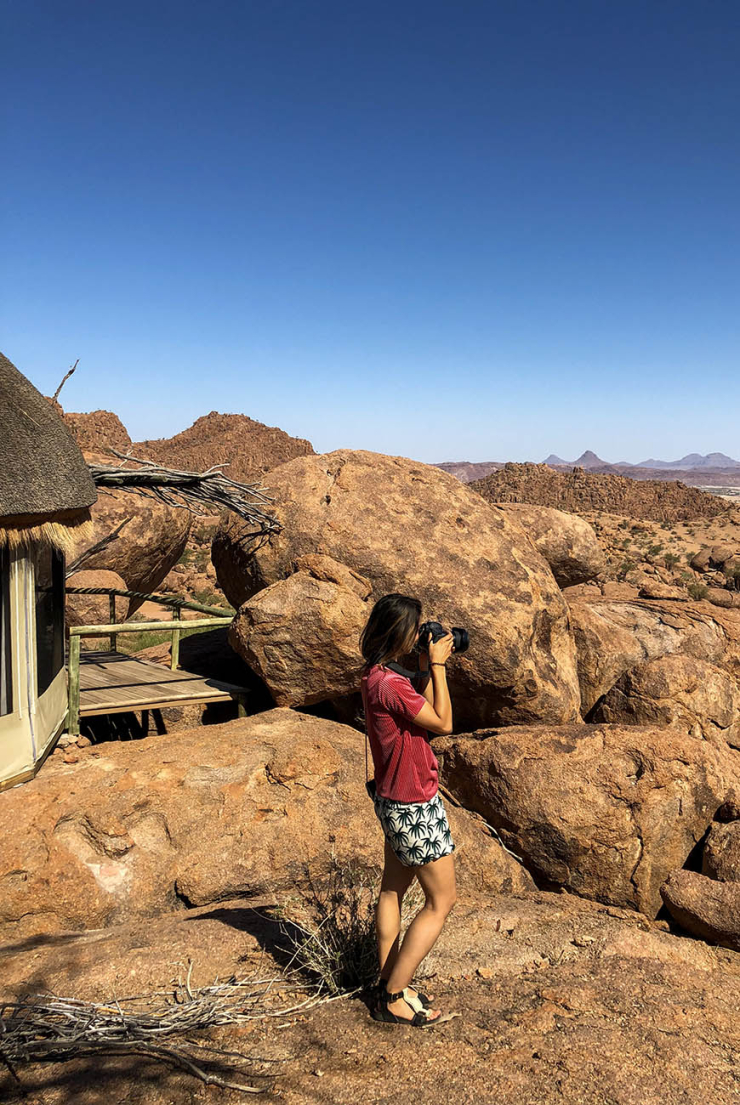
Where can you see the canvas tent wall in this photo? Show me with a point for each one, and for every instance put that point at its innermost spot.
(45, 494)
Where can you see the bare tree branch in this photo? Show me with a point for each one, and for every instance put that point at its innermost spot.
(74, 366)
(198, 492)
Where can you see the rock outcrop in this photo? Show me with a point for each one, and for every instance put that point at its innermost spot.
(688, 695)
(613, 637)
(409, 527)
(98, 431)
(704, 907)
(568, 544)
(579, 491)
(721, 854)
(249, 448)
(607, 811)
(139, 828)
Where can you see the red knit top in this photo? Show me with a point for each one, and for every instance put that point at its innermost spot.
(405, 766)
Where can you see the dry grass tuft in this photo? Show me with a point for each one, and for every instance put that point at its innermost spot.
(330, 932)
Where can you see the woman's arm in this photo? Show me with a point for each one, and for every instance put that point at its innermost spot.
(422, 681)
(436, 716)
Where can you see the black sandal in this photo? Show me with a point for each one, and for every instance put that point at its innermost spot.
(381, 1012)
(382, 987)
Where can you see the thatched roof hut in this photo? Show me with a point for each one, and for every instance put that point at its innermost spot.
(46, 491)
(45, 486)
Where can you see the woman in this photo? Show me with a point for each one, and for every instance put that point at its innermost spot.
(418, 842)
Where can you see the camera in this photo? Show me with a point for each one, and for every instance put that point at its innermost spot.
(429, 632)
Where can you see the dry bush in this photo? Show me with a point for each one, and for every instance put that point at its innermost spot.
(330, 931)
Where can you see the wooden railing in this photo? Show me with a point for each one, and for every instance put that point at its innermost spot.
(114, 628)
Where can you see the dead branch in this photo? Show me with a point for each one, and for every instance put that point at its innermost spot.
(199, 492)
(74, 366)
(42, 1027)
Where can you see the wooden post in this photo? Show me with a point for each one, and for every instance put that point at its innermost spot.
(175, 659)
(73, 711)
(113, 636)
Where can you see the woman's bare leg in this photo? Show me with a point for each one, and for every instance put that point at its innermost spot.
(438, 883)
(396, 881)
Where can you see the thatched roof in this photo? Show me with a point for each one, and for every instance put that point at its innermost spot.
(43, 475)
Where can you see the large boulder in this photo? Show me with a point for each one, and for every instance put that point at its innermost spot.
(604, 810)
(720, 858)
(139, 828)
(605, 651)
(720, 554)
(704, 907)
(301, 636)
(567, 542)
(688, 695)
(613, 637)
(149, 545)
(409, 527)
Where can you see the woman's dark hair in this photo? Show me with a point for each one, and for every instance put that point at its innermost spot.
(391, 629)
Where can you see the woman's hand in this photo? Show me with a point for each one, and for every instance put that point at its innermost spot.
(441, 650)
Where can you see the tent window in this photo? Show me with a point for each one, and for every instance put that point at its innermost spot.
(49, 616)
(6, 669)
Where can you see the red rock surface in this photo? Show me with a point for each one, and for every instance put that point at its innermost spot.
(560, 1001)
(249, 448)
(409, 527)
(97, 431)
(605, 810)
(704, 907)
(133, 829)
(301, 636)
(678, 692)
(568, 544)
(614, 636)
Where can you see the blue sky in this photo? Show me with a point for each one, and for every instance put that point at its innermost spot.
(450, 231)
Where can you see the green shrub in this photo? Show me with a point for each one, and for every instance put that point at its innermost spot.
(625, 567)
(698, 590)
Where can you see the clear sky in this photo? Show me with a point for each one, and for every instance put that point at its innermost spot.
(469, 230)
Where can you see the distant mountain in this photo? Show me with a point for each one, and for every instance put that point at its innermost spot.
(712, 470)
(693, 460)
(586, 460)
(590, 460)
(465, 470)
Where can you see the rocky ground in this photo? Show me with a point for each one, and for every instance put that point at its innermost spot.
(662, 549)
(128, 868)
(559, 1000)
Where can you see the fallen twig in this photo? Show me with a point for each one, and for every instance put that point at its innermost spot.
(43, 1027)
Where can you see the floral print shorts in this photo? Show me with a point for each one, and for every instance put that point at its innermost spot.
(418, 832)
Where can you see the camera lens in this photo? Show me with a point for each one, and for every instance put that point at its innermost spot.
(460, 639)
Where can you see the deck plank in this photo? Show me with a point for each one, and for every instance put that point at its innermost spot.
(112, 682)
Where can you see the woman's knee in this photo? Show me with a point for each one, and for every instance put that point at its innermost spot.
(442, 903)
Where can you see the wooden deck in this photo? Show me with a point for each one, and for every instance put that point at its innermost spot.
(113, 683)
